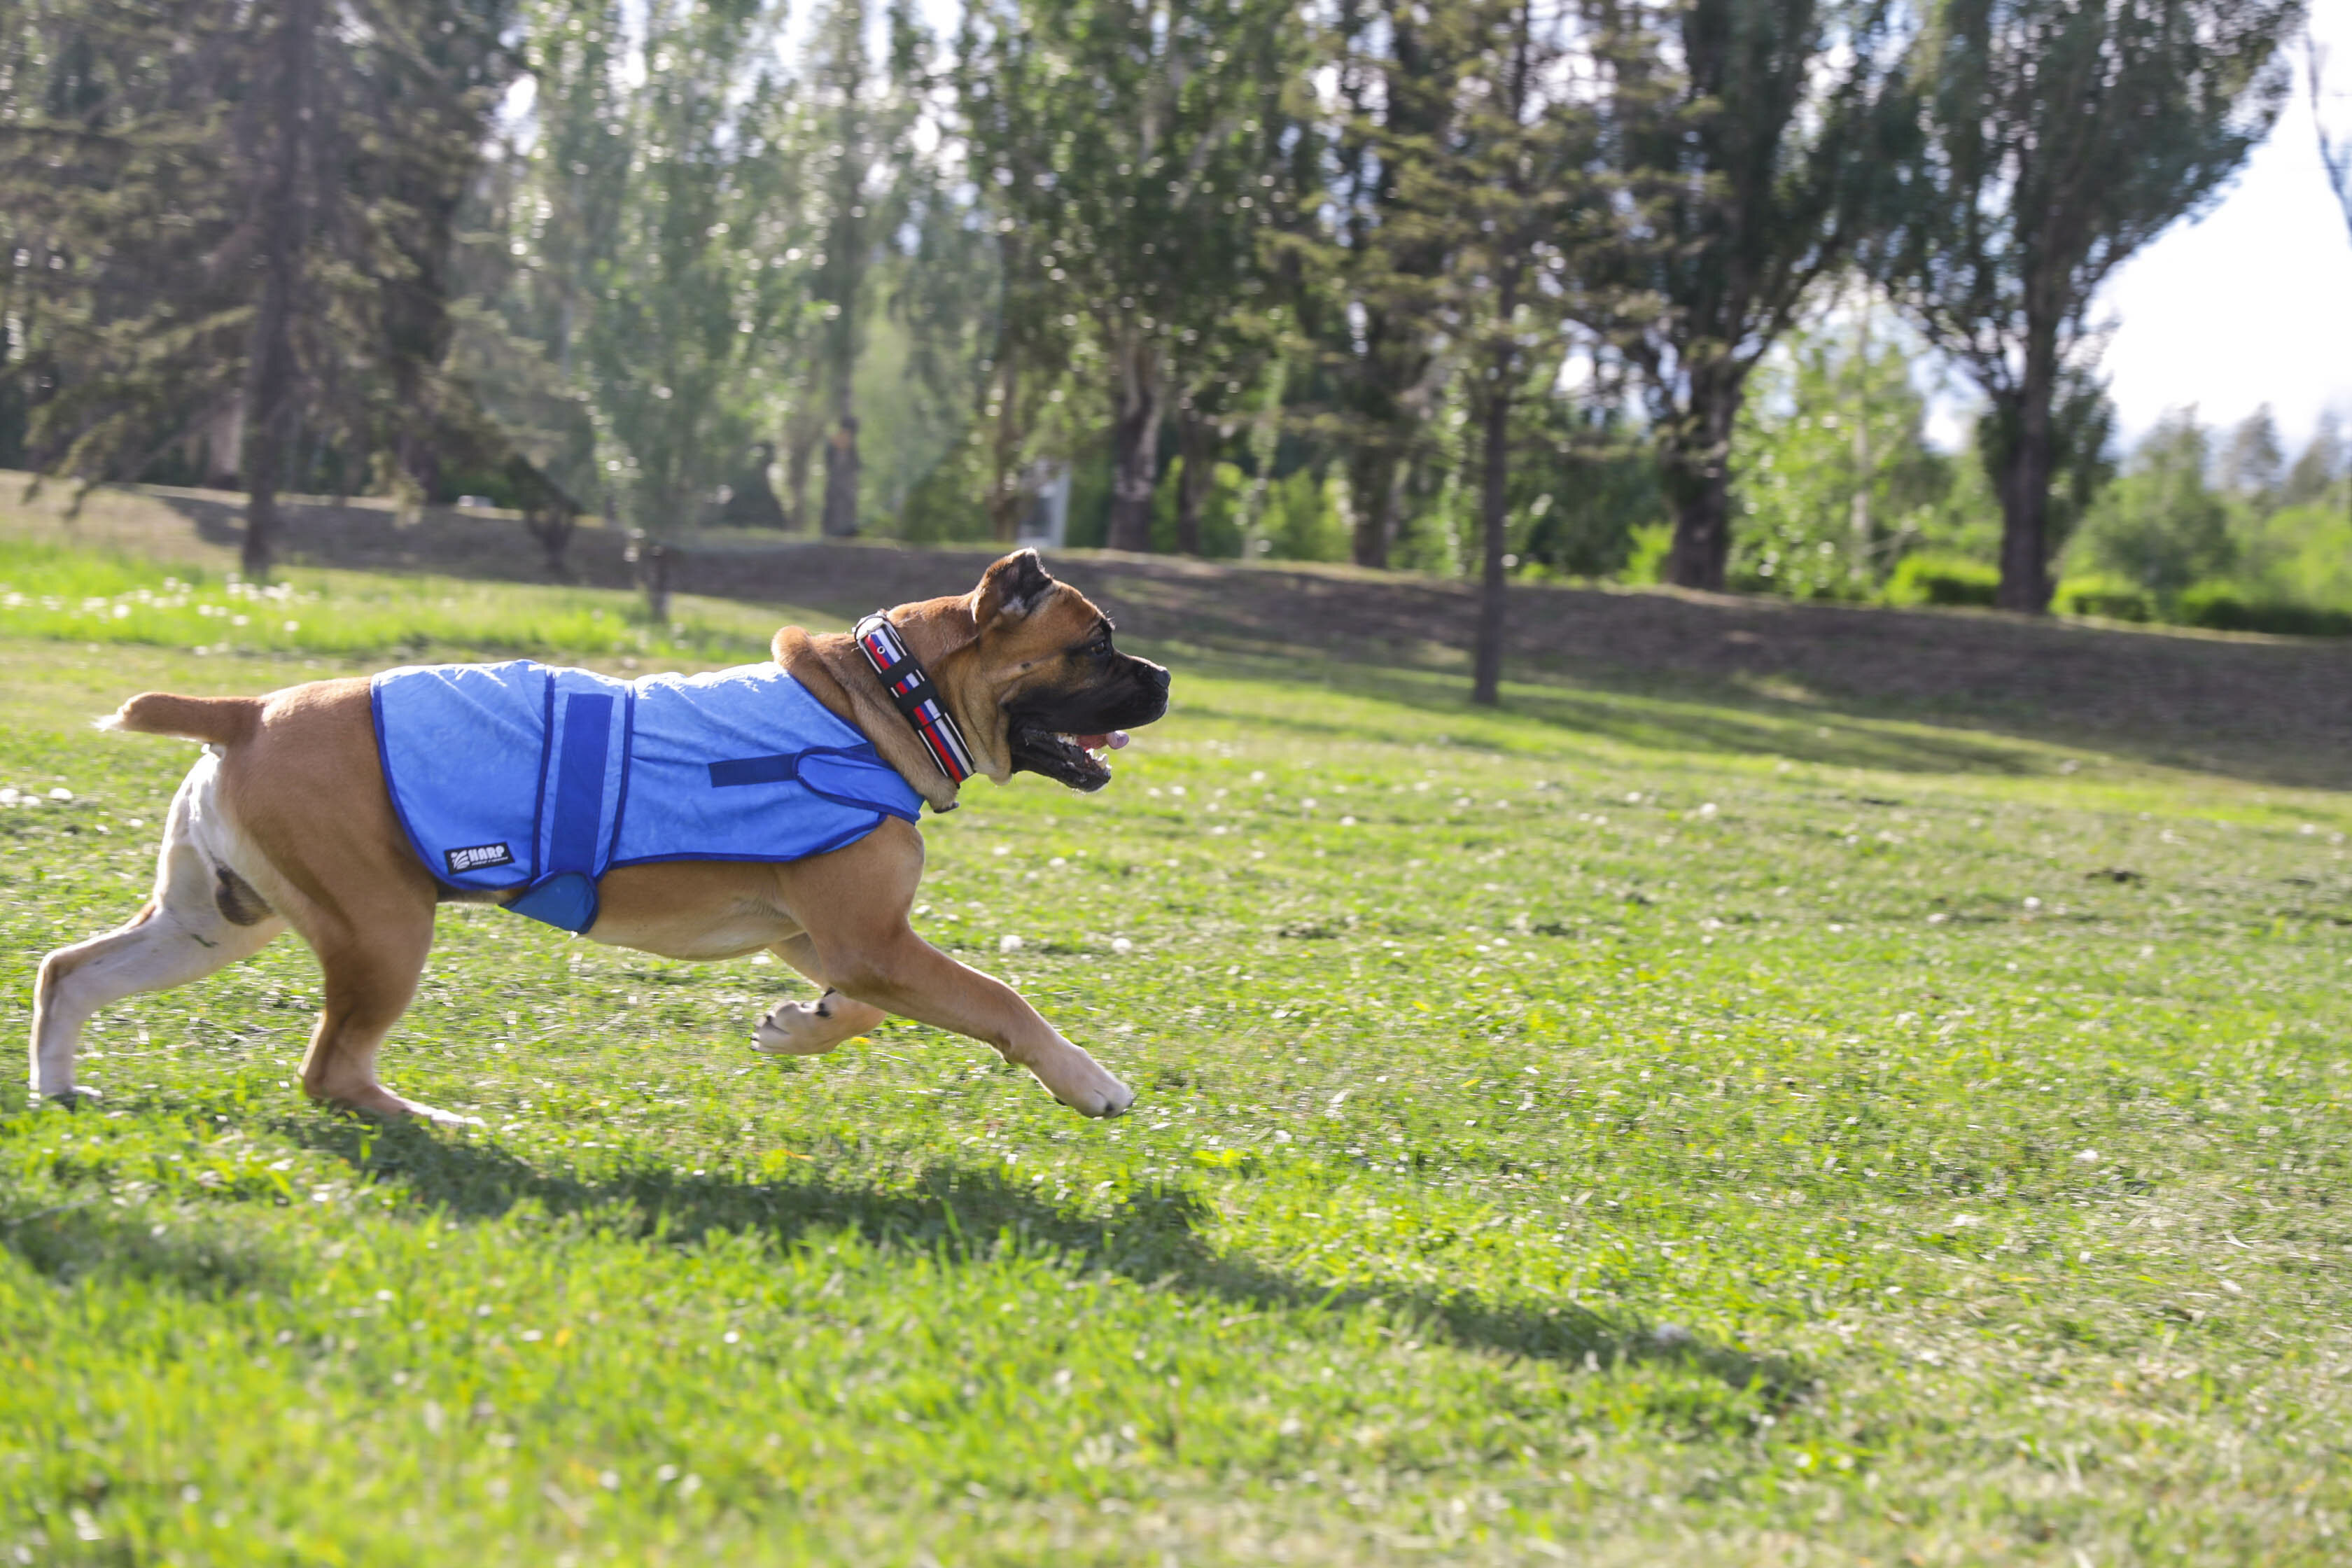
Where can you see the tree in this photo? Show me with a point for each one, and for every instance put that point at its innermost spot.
(2161, 525)
(243, 201)
(547, 210)
(1507, 194)
(1750, 139)
(1368, 293)
(1034, 344)
(2059, 136)
(429, 168)
(120, 198)
(2254, 463)
(1127, 145)
(857, 125)
(658, 289)
(1835, 476)
(2315, 471)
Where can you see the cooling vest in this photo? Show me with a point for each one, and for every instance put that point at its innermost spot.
(524, 775)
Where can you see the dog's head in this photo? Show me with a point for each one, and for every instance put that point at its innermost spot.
(1041, 687)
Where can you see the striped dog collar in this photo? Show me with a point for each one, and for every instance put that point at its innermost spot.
(909, 685)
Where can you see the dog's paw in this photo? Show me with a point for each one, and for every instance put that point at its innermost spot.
(812, 1028)
(795, 1030)
(379, 1103)
(1107, 1096)
(72, 1099)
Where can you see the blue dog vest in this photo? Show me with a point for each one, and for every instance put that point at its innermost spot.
(521, 776)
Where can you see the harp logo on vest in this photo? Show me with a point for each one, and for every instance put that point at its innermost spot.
(478, 855)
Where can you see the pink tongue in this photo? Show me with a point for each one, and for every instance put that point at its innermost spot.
(1115, 739)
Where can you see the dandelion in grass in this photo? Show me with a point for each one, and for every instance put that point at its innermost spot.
(1010, 943)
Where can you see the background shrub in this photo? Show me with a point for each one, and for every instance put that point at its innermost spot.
(2103, 593)
(1942, 580)
(2228, 607)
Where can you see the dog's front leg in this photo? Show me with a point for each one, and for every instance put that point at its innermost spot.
(811, 1028)
(908, 976)
(854, 905)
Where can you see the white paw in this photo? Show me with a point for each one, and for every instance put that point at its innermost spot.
(798, 1029)
(1093, 1091)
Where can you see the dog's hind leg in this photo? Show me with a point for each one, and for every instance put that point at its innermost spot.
(201, 918)
(811, 1028)
(371, 969)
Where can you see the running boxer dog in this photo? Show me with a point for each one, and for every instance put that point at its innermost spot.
(768, 807)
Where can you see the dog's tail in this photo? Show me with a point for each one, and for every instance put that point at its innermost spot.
(222, 720)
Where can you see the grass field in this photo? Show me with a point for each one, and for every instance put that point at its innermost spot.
(1558, 1141)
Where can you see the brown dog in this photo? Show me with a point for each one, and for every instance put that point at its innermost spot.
(287, 821)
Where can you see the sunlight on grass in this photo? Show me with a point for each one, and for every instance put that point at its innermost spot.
(86, 596)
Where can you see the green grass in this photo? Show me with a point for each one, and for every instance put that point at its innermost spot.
(102, 596)
(1559, 1141)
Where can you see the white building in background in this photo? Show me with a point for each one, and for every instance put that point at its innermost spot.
(1045, 525)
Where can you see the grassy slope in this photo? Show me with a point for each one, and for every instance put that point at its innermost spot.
(1596, 1150)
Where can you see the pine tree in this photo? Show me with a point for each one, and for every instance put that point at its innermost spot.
(1511, 195)
(1371, 291)
(239, 201)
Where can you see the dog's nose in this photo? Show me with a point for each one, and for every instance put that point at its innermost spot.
(1156, 676)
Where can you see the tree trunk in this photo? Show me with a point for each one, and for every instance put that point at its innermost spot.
(1196, 445)
(272, 414)
(652, 561)
(841, 478)
(1371, 494)
(2025, 484)
(1005, 490)
(1134, 448)
(552, 525)
(1495, 523)
(1697, 474)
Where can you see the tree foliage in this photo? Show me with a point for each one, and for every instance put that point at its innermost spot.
(1752, 139)
(2059, 136)
(1836, 480)
(230, 209)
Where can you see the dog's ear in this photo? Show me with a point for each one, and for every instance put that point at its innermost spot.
(1013, 586)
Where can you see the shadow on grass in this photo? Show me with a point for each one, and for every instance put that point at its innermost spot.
(964, 1212)
(1636, 666)
(1652, 713)
(85, 1236)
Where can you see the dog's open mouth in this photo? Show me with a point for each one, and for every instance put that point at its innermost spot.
(1066, 759)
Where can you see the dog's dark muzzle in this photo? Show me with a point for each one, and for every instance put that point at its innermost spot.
(1050, 731)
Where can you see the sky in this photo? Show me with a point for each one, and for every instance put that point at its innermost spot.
(2252, 303)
